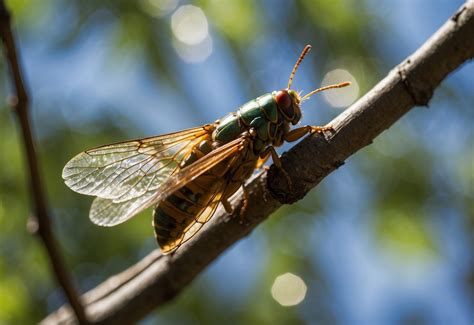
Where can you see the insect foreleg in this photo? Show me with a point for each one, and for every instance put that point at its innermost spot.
(298, 133)
(270, 151)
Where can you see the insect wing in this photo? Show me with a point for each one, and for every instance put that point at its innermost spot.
(110, 212)
(128, 170)
(231, 149)
(107, 213)
(196, 169)
(169, 245)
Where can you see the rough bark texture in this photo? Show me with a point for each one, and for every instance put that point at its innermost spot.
(131, 295)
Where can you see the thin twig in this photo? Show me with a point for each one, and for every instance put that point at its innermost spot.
(155, 280)
(40, 222)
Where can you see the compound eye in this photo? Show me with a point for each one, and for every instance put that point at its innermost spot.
(283, 99)
(284, 102)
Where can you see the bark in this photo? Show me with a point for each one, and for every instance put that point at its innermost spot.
(132, 294)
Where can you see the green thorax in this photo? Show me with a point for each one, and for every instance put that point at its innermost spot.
(261, 114)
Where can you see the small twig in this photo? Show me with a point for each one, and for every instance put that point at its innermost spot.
(40, 222)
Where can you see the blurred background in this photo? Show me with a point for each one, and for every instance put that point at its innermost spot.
(386, 239)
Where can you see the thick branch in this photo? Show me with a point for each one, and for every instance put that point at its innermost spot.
(41, 221)
(155, 280)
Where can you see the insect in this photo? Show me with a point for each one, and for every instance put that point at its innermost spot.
(186, 174)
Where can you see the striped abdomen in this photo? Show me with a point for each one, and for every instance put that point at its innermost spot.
(190, 206)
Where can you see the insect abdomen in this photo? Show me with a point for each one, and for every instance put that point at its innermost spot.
(175, 214)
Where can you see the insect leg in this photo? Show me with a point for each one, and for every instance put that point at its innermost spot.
(320, 129)
(271, 151)
(227, 206)
(245, 202)
(276, 160)
(298, 133)
(263, 159)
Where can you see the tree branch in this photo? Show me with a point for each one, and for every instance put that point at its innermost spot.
(132, 294)
(39, 223)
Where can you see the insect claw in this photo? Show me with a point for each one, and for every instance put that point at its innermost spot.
(321, 129)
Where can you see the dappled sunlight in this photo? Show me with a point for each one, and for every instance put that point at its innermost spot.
(194, 53)
(191, 40)
(342, 97)
(189, 25)
(288, 289)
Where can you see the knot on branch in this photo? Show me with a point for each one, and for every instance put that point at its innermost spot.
(280, 185)
(456, 16)
(420, 90)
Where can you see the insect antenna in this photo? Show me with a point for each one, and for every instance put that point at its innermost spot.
(302, 55)
(339, 85)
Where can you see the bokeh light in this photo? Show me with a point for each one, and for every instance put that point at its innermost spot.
(288, 289)
(194, 53)
(191, 39)
(189, 25)
(342, 97)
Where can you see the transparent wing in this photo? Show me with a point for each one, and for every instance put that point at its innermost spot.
(233, 148)
(107, 213)
(128, 170)
(192, 171)
(110, 212)
(203, 216)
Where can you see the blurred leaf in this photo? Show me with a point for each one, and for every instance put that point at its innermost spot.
(238, 20)
(405, 234)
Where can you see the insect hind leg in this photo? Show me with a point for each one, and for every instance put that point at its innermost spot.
(276, 160)
(227, 206)
(245, 203)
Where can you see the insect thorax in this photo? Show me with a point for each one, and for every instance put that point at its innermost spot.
(261, 114)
